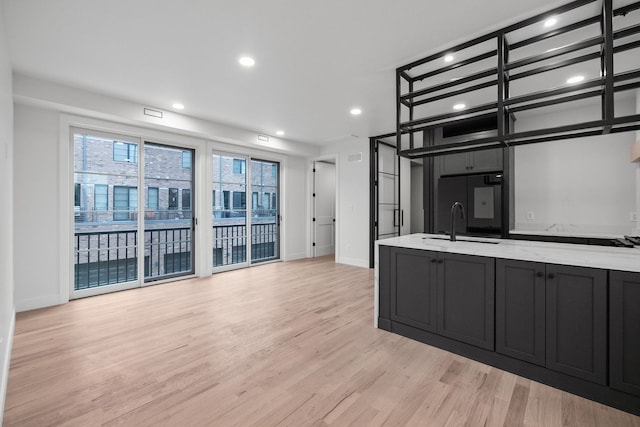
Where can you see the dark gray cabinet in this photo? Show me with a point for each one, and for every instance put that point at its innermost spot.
(448, 294)
(413, 287)
(466, 299)
(520, 310)
(576, 321)
(624, 331)
(474, 162)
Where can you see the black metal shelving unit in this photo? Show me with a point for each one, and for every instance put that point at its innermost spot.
(591, 33)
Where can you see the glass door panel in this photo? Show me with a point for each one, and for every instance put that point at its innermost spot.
(265, 211)
(168, 213)
(105, 210)
(388, 215)
(229, 210)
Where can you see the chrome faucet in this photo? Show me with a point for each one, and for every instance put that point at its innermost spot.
(453, 218)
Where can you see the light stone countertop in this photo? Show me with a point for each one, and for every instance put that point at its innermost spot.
(610, 258)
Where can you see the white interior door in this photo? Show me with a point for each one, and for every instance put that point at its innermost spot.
(324, 209)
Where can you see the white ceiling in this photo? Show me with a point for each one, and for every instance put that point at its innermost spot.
(314, 59)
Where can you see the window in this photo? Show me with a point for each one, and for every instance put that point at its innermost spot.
(254, 200)
(100, 197)
(239, 200)
(274, 171)
(238, 166)
(76, 195)
(225, 200)
(273, 201)
(173, 198)
(125, 152)
(186, 159)
(125, 199)
(153, 198)
(266, 198)
(186, 199)
(213, 199)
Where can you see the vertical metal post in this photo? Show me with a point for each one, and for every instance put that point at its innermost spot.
(372, 200)
(606, 61)
(501, 85)
(398, 112)
(504, 128)
(410, 116)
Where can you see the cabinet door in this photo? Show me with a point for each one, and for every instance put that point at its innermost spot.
(624, 331)
(577, 322)
(486, 160)
(452, 164)
(466, 299)
(413, 289)
(520, 310)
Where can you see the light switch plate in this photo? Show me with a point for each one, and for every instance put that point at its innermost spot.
(530, 216)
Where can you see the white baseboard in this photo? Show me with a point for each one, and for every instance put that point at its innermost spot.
(34, 303)
(357, 262)
(5, 358)
(295, 256)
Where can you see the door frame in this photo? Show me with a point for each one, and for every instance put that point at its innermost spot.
(314, 224)
(214, 147)
(66, 209)
(335, 158)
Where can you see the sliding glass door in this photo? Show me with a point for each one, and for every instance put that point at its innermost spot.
(120, 230)
(265, 213)
(245, 210)
(229, 210)
(168, 215)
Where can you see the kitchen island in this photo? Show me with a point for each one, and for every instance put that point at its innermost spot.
(561, 314)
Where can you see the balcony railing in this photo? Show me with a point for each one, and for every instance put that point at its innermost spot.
(108, 257)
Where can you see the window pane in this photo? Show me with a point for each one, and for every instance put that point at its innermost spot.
(168, 240)
(105, 241)
(186, 159)
(125, 152)
(76, 195)
(229, 210)
(100, 197)
(265, 229)
(152, 198)
(173, 198)
(186, 199)
(238, 166)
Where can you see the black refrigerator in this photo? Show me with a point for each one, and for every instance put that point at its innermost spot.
(481, 197)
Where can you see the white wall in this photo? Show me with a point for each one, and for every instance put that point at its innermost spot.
(583, 185)
(295, 220)
(36, 208)
(352, 215)
(7, 312)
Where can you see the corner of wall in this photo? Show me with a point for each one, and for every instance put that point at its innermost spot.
(6, 344)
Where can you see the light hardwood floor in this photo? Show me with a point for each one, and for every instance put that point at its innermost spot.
(280, 344)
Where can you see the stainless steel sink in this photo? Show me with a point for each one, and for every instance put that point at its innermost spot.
(462, 239)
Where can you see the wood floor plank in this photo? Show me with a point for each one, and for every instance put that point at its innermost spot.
(278, 344)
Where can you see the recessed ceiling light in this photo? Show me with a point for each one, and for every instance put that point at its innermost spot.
(575, 79)
(355, 111)
(550, 22)
(448, 58)
(178, 106)
(459, 106)
(280, 133)
(247, 61)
